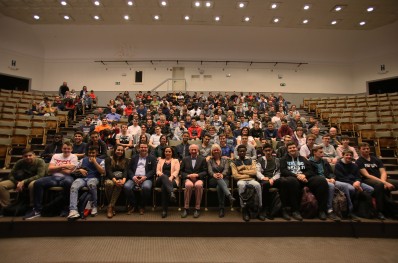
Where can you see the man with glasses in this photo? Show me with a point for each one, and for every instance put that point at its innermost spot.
(143, 132)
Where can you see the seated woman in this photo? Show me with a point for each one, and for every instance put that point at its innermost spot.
(167, 178)
(116, 174)
(219, 175)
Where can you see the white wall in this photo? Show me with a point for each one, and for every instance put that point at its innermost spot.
(340, 61)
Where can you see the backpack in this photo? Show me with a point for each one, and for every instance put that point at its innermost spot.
(363, 205)
(309, 204)
(276, 203)
(54, 207)
(339, 203)
(84, 204)
(250, 200)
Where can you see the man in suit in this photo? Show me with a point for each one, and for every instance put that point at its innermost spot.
(141, 171)
(193, 172)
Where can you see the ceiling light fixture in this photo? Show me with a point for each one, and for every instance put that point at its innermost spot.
(156, 17)
(274, 5)
(246, 19)
(217, 18)
(197, 4)
(370, 9)
(130, 3)
(186, 18)
(276, 20)
(96, 17)
(208, 4)
(362, 23)
(242, 4)
(64, 3)
(36, 17)
(305, 21)
(66, 17)
(126, 17)
(306, 7)
(338, 8)
(97, 3)
(163, 3)
(333, 22)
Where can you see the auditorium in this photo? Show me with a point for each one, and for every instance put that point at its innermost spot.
(198, 131)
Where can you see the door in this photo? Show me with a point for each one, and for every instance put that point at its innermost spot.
(178, 79)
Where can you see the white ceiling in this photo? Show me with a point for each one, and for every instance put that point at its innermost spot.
(290, 12)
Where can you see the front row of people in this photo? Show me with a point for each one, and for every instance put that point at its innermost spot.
(288, 174)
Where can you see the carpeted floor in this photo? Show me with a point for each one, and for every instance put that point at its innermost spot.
(167, 249)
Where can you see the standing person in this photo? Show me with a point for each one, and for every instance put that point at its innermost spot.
(91, 168)
(298, 167)
(23, 175)
(60, 168)
(140, 171)
(219, 177)
(167, 178)
(244, 171)
(116, 174)
(63, 89)
(375, 175)
(193, 172)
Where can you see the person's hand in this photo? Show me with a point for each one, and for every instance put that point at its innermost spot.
(332, 181)
(357, 186)
(20, 186)
(302, 178)
(389, 186)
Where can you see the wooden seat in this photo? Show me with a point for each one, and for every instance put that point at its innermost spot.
(39, 130)
(5, 151)
(21, 137)
(384, 139)
(386, 119)
(372, 120)
(24, 124)
(381, 127)
(8, 124)
(365, 132)
(345, 125)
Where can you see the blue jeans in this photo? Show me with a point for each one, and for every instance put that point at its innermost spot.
(349, 192)
(344, 187)
(48, 182)
(146, 190)
(78, 184)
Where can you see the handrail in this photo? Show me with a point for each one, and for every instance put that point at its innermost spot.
(167, 80)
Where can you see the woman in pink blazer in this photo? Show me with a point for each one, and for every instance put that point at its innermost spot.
(167, 177)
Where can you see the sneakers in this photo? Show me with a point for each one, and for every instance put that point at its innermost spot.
(332, 216)
(94, 211)
(231, 198)
(380, 216)
(73, 214)
(285, 214)
(31, 214)
(322, 215)
(296, 215)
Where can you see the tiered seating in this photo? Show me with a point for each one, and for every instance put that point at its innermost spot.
(372, 118)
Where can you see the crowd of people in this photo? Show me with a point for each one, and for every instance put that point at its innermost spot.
(195, 141)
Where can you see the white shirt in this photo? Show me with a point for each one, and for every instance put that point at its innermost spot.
(58, 159)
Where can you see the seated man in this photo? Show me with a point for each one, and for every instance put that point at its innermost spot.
(296, 166)
(324, 169)
(193, 172)
(141, 171)
(375, 175)
(347, 172)
(87, 128)
(52, 148)
(104, 126)
(91, 168)
(345, 141)
(59, 170)
(244, 171)
(305, 150)
(329, 152)
(182, 149)
(97, 142)
(282, 150)
(113, 116)
(79, 147)
(22, 176)
(250, 150)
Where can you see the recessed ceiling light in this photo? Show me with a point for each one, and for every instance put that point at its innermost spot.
(197, 4)
(66, 17)
(64, 3)
(96, 17)
(333, 22)
(156, 17)
(208, 4)
(130, 3)
(97, 3)
(36, 17)
(362, 23)
(126, 17)
(338, 8)
(305, 21)
(370, 9)
(217, 18)
(186, 18)
(276, 20)
(306, 7)
(274, 5)
(242, 4)
(246, 19)
(163, 3)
